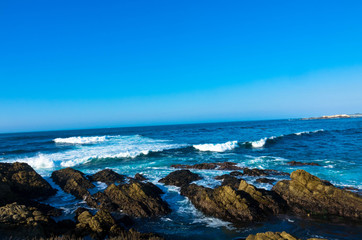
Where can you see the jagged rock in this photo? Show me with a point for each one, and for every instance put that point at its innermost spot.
(268, 200)
(274, 236)
(308, 195)
(265, 180)
(72, 181)
(228, 180)
(139, 177)
(134, 235)
(225, 203)
(263, 172)
(20, 181)
(210, 166)
(295, 163)
(107, 176)
(180, 177)
(137, 199)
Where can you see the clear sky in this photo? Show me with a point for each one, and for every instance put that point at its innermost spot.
(85, 64)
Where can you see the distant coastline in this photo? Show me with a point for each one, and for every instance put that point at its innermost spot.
(355, 115)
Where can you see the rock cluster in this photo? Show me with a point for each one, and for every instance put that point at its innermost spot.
(275, 236)
(308, 195)
(295, 163)
(210, 166)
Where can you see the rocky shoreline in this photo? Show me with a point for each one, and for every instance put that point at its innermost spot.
(111, 213)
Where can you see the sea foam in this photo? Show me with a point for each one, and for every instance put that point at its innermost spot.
(81, 140)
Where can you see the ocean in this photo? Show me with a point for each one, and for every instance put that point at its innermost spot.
(335, 144)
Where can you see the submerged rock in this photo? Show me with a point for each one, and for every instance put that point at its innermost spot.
(265, 180)
(275, 236)
(72, 181)
(308, 195)
(263, 172)
(137, 199)
(20, 181)
(210, 166)
(107, 176)
(295, 163)
(225, 203)
(180, 178)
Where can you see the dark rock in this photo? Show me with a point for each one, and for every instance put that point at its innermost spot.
(225, 203)
(275, 236)
(134, 235)
(269, 201)
(295, 163)
(137, 199)
(265, 180)
(107, 176)
(308, 195)
(228, 180)
(140, 177)
(210, 166)
(263, 172)
(72, 181)
(180, 177)
(236, 173)
(20, 181)
(79, 210)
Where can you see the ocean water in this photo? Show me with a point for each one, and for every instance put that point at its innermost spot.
(335, 144)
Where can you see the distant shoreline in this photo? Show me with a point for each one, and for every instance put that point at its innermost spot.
(337, 116)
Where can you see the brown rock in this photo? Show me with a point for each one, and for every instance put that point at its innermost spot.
(308, 195)
(72, 181)
(295, 163)
(228, 180)
(140, 177)
(274, 236)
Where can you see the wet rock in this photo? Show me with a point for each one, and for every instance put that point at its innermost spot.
(107, 176)
(236, 173)
(263, 172)
(269, 201)
(180, 177)
(210, 166)
(295, 163)
(140, 177)
(308, 195)
(137, 199)
(134, 235)
(266, 180)
(228, 180)
(20, 181)
(225, 203)
(73, 182)
(274, 236)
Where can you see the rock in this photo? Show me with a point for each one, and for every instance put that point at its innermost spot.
(295, 163)
(274, 236)
(107, 176)
(179, 178)
(140, 177)
(225, 203)
(137, 199)
(308, 195)
(236, 173)
(210, 166)
(20, 181)
(269, 201)
(134, 235)
(72, 181)
(228, 180)
(265, 180)
(263, 172)
(22, 222)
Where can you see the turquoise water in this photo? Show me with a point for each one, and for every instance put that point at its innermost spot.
(335, 144)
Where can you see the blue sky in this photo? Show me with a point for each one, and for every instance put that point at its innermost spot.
(84, 64)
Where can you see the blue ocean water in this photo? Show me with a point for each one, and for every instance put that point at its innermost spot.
(336, 144)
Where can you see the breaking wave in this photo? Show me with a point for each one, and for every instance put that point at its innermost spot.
(218, 147)
(81, 140)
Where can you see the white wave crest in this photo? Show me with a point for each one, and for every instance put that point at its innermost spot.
(81, 140)
(218, 147)
(261, 143)
(114, 147)
(308, 132)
